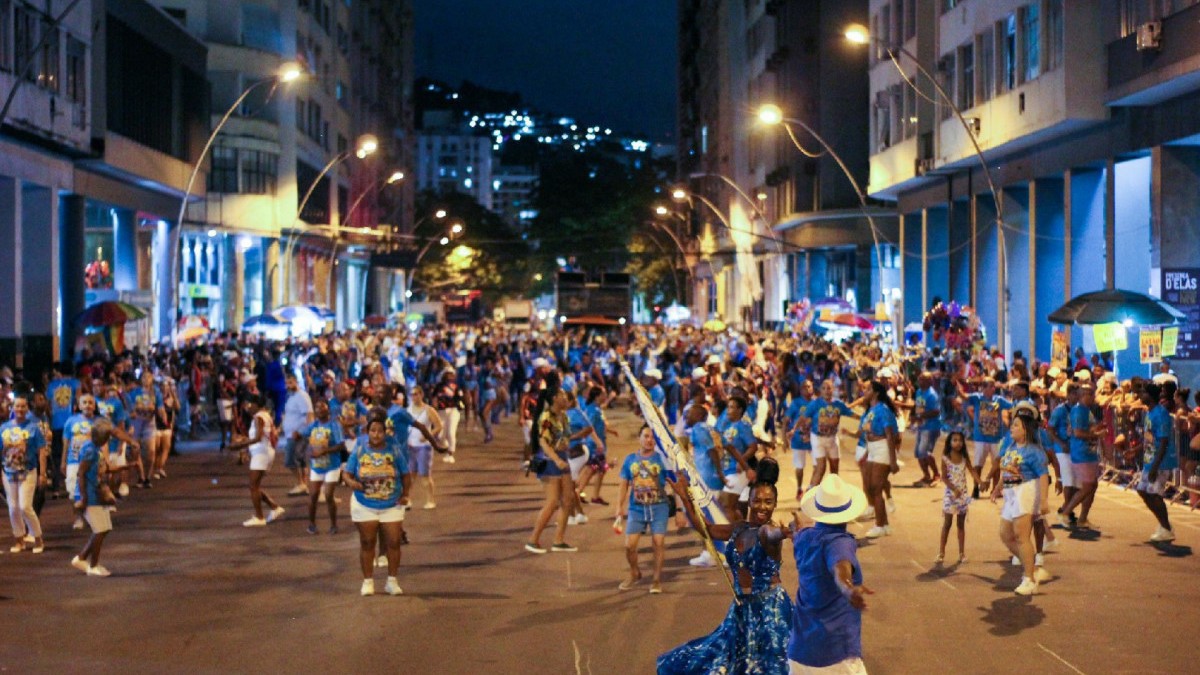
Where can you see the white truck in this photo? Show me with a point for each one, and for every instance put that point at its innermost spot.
(518, 314)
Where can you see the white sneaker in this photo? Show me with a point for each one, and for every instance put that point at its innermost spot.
(876, 532)
(254, 522)
(705, 559)
(429, 505)
(392, 587)
(275, 514)
(81, 565)
(1038, 559)
(1016, 561)
(381, 561)
(123, 490)
(570, 520)
(448, 459)
(580, 519)
(98, 571)
(368, 587)
(1040, 574)
(1028, 587)
(891, 505)
(1051, 545)
(868, 514)
(1163, 534)
(78, 524)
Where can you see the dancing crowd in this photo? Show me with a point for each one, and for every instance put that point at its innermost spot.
(374, 410)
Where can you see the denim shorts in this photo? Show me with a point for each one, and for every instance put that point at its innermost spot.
(653, 518)
(551, 469)
(290, 460)
(926, 442)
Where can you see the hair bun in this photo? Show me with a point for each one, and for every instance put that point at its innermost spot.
(766, 471)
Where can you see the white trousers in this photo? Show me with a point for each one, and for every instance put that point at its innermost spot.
(450, 417)
(20, 505)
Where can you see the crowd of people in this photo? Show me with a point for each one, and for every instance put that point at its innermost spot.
(374, 410)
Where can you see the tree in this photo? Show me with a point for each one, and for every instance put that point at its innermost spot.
(653, 265)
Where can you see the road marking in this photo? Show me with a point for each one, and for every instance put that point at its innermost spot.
(922, 567)
(1064, 661)
(1119, 502)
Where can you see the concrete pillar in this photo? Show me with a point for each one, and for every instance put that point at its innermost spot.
(1085, 189)
(1018, 249)
(166, 304)
(961, 249)
(1050, 271)
(41, 305)
(10, 271)
(937, 257)
(71, 259)
(125, 265)
(1110, 224)
(1132, 243)
(912, 270)
(988, 269)
(818, 282)
(233, 286)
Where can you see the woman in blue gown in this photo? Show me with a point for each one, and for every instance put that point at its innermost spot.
(752, 640)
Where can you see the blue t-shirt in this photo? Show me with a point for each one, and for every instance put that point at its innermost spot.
(21, 445)
(1060, 422)
(657, 395)
(647, 477)
(599, 424)
(825, 628)
(1082, 452)
(1161, 425)
(802, 437)
(321, 435)
(737, 434)
(76, 433)
(398, 424)
(826, 416)
(989, 423)
(879, 420)
(925, 401)
(704, 438)
(61, 393)
(114, 409)
(577, 421)
(144, 404)
(335, 407)
(1020, 463)
(380, 471)
(91, 478)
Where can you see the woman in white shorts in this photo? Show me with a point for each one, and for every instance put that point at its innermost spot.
(378, 473)
(420, 452)
(322, 442)
(1023, 476)
(262, 454)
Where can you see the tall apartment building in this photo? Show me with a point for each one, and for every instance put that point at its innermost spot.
(810, 238)
(1084, 115)
(357, 60)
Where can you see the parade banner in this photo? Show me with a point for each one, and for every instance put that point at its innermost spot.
(1170, 339)
(1150, 346)
(678, 460)
(1109, 337)
(1060, 349)
(1181, 288)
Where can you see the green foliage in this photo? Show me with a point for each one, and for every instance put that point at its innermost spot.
(653, 264)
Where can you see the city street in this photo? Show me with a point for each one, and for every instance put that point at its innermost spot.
(193, 591)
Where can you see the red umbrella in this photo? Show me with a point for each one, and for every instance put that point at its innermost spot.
(854, 321)
(375, 321)
(108, 313)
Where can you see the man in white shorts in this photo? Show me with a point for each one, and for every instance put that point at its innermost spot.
(825, 418)
(1059, 429)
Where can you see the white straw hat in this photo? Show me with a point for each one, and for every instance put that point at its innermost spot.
(833, 502)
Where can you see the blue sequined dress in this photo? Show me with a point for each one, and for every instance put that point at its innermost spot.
(752, 640)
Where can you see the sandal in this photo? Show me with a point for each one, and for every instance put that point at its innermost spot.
(629, 583)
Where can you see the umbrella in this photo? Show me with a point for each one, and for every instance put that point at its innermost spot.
(108, 313)
(1115, 306)
(191, 321)
(853, 321)
(323, 312)
(192, 333)
(263, 320)
(375, 321)
(294, 312)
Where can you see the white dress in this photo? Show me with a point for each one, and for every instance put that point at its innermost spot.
(262, 453)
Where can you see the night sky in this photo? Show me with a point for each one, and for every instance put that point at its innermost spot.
(606, 62)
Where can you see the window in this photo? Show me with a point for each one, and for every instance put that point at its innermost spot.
(1054, 34)
(986, 48)
(1031, 39)
(966, 76)
(77, 78)
(948, 5)
(259, 169)
(342, 144)
(901, 20)
(1008, 41)
(945, 76)
(47, 77)
(25, 38)
(883, 119)
(5, 36)
(222, 174)
(910, 20)
(885, 25)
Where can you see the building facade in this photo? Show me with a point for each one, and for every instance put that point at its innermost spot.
(1083, 115)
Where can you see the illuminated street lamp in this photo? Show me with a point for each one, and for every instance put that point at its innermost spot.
(454, 229)
(288, 72)
(392, 179)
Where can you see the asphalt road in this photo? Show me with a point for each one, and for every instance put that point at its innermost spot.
(193, 591)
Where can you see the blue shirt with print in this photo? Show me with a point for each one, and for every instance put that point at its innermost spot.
(577, 421)
(879, 420)
(22, 441)
(61, 393)
(737, 434)
(826, 416)
(925, 401)
(1082, 452)
(380, 470)
(989, 423)
(1060, 422)
(91, 478)
(647, 477)
(802, 436)
(704, 438)
(321, 435)
(1021, 463)
(1161, 426)
(76, 433)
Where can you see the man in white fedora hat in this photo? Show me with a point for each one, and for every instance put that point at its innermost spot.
(827, 623)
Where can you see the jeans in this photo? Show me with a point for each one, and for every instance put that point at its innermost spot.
(20, 505)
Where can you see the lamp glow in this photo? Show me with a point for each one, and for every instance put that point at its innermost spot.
(770, 114)
(857, 34)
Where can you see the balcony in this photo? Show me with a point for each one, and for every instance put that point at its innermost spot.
(1146, 75)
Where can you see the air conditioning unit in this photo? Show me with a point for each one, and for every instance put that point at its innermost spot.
(923, 166)
(1149, 36)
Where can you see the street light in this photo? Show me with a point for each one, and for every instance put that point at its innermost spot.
(859, 35)
(288, 72)
(367, 144)
(454, 230)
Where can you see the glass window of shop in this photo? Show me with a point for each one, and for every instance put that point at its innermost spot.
(201, 274)
(98, 253)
